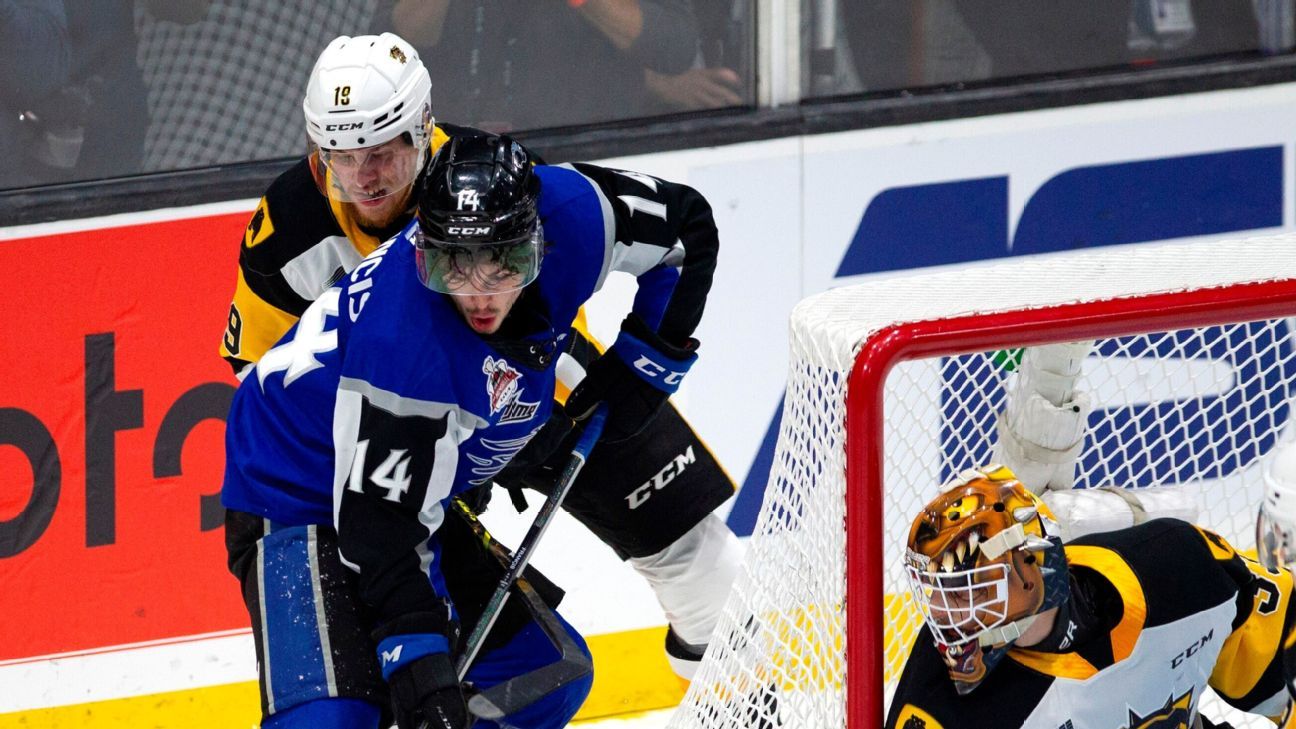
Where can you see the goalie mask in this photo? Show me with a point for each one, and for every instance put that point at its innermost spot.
(983, 561)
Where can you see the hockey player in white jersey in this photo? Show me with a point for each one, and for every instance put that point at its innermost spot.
(1276, 520)
(1117, 630)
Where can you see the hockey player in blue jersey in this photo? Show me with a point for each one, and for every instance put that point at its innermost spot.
(416, 379)
(354, 190)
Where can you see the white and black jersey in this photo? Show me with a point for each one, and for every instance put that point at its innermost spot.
(1164, 609)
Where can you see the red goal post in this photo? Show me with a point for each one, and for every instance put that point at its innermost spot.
(817, 640)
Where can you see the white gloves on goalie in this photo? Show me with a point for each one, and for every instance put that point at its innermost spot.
(1041, 432)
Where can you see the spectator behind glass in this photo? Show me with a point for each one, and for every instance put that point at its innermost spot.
(724, 72)
(104, 103)
(88, 121)
(224, 83)
(504, 65)
(933, 42)
(33, 64)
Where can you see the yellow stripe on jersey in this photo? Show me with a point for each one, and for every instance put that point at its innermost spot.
(581, 325)
(439, 137)
(1123, 637)
(1062, 665)
(250, 344)
(1114, 569)
(1221, 550)
(1250, 649)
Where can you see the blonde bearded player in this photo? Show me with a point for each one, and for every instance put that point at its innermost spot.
(1120, 629)
(369, 120)
(1276, 543)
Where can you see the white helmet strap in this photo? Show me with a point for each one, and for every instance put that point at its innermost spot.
(1006, 633)
(1009, 538)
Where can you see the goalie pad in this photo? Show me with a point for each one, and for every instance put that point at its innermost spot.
(1042, 427)
(1090, 511)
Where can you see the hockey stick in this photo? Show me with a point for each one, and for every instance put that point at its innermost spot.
(593, 429)
(521, 691)
(580, 453)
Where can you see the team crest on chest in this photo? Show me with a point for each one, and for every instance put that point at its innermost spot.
(1176, 714)
(504, 391)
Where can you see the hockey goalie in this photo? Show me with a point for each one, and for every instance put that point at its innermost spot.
(1125, 625)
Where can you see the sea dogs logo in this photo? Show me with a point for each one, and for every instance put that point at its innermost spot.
(504, 392)
(501, 383)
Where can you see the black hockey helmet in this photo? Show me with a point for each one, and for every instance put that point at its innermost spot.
(478, 226)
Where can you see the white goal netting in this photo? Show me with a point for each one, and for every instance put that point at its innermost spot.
(1193, 378)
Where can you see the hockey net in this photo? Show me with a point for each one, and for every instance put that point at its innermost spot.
(894, 386)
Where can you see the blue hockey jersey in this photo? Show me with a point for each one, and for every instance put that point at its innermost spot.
(381, 403)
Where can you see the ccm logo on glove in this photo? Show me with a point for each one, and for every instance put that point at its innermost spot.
(656, 362)
(652, 371)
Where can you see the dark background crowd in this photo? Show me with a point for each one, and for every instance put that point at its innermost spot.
(95, 89)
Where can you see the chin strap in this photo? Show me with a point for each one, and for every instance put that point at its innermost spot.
(1005, 634)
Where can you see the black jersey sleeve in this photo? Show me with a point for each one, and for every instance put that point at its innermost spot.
(273, 288)
(665, 235)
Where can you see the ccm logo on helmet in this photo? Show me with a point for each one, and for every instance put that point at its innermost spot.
(343, 127)
(469, 231)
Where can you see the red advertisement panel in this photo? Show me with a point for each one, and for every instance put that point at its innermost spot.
(112, 408)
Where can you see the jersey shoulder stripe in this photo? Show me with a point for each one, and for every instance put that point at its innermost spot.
(292, 217)
(1158, 554)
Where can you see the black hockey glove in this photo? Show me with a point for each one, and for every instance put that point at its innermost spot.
(634, 377)
(428, 690)
(415, 659)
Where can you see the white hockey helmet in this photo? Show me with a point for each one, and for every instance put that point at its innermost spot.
(1276, 522)
(368, 109)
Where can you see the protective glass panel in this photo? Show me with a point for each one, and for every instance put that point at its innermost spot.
(861, 46)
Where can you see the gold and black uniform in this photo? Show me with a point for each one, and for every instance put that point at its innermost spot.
(1158, 612)
(300, 242)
